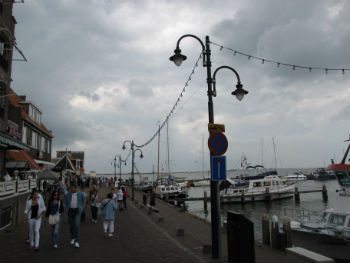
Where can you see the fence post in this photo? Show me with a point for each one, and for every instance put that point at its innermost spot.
(266, 229)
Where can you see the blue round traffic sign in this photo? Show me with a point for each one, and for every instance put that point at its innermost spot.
(217, 143)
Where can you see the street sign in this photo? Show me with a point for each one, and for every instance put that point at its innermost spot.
(217, 143)
(218, 168)
(213, 127)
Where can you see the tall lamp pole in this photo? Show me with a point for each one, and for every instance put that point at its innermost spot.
(133, 150)
(177, 58)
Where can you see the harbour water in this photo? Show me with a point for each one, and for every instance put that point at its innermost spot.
(310, 207)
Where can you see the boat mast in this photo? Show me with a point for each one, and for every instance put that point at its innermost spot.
(346, 152)
(167, 141)
(158, 150)
(203, 156)
(262, 151)
(274, 149)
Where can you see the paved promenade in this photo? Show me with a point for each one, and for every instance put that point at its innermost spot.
(139, 237)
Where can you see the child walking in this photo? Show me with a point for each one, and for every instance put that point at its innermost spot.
(108, 207)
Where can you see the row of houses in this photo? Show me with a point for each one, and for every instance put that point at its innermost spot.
(25, 142)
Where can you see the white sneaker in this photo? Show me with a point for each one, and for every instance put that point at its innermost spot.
(72, 241)
(76, 245)
(110, 234)
(55, 246)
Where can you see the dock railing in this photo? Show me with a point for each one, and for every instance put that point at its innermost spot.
(10, 188)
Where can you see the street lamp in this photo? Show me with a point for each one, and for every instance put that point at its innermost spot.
(178, 58)
(133, 150)
(119, 166)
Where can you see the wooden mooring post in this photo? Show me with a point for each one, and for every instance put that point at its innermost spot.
(296, 195)
(266, 230)
(274, 232)
(324, 193)
(288, 233)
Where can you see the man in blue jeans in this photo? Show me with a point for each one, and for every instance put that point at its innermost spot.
(73, 205)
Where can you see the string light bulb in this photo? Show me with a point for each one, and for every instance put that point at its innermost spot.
(310, 69)
(262, 61)
(293, 67)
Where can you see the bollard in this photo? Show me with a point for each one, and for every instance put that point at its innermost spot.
(266, 229)
(180, 232)
(205, 202)
(296, 195)
(288, 232)
(242, 197)
(274, 232)
(324, 193)
(206, 249)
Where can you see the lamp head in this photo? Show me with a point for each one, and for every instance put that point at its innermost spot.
(177, 58)
(239, 92)
(123, 147)
(141, 155)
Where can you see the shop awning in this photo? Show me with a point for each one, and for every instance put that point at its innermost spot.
(12, 143)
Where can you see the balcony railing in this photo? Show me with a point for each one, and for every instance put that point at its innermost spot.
(7, 189)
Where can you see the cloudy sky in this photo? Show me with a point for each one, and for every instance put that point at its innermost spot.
(100, 72)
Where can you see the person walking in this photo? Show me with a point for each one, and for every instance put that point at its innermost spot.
(125, 196)
(94, 201)
(120, 199)
(108, 208)
(73, 205)
(35, 208)
(54, 210)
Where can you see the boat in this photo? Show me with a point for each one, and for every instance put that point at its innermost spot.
(269, 188)
(201, 183)
(145, 186)
(323, 174)
(296, 176)
(170, 191)
(330, 235)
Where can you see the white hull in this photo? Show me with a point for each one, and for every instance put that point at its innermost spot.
(267, 189)
(201, 183)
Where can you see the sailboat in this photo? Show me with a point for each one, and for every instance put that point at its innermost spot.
(166, 185)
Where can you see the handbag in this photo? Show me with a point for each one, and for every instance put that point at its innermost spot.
(54, 219)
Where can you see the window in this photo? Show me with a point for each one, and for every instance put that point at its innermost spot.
(24, 135)
(5, 217)
(34, 140)
(2, 100)
(42, 144)
(337, 219)
(48, 146)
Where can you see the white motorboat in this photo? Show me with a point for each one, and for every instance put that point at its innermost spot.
(269, 188)
(297, 176)
(169, 191)
(330, 236)
(146, 186)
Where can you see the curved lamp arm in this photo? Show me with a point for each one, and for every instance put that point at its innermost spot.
(141, 155)
(126, 142)
(178, 58)
(239, 92)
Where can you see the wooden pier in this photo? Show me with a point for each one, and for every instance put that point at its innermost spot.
(246, 198)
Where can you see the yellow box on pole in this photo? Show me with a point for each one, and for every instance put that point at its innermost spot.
(213, 127)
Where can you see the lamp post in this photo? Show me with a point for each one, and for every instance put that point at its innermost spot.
(133, 150)
(178, 58)
(119, 166)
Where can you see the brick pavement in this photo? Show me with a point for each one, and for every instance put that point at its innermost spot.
(139, 237)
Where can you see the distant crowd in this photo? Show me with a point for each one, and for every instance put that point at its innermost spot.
(70, 203)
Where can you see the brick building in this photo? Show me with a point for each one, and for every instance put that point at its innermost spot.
(9, 130)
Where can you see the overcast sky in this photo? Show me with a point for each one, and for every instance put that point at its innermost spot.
(100, 72)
